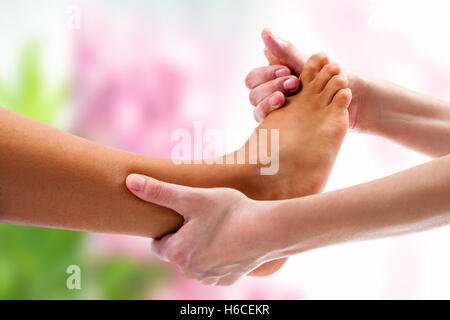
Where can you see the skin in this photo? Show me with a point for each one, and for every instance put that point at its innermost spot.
(227, 235)
(378, 107)
(414, 200)
(53, 179)
(319, 111)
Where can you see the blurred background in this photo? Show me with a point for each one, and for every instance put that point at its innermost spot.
(127, 73)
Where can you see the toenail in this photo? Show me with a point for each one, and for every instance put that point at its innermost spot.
(290, 85)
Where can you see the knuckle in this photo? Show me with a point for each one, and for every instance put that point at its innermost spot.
(176, 256)
(153, 191)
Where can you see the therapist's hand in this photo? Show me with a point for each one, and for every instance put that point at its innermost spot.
(270, 85)
(224, 236)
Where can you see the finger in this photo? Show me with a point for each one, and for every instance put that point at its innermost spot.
(159, 247)
(286, 85)
(261, 75)
(271, 58)
(271, 103)
(168, 195)
(287, 53)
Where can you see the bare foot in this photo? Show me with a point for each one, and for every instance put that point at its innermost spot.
(283, 53)
(312, 127)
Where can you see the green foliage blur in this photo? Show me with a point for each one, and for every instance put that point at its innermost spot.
(33, 261)
(29, 95)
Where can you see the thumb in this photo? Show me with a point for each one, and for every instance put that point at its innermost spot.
(164, 194)
(159, 247)
(286, 53)
(271, 58)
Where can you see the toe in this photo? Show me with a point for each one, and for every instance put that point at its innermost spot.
(328, 71)
(342, 98)
(313, 66)
(332, 87)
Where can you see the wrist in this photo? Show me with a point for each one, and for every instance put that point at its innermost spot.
(365, 106)
(286, 228)
(268, 225)
(303, 224)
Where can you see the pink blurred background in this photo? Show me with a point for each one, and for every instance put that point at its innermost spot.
(142, 69)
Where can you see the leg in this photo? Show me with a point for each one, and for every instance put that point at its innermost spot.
(50, 178)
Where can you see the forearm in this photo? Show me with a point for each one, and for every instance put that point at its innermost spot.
(413, 200)
(54, 179)
(414, 120)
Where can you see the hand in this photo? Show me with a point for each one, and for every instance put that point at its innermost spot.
(268, 89)
(269, 85)
(222, 238)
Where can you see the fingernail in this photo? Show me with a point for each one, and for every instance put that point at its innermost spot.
(282, 73)
(136, 182)
(273, 108)
(290, 84)
(257, 115)
(273, 102)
